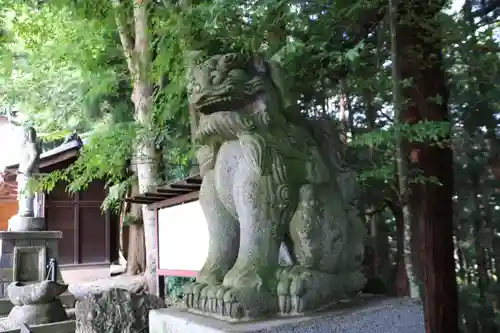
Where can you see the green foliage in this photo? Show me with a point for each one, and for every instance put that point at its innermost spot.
(174, 284)
(424, 131)
(104, 156)
(117, 193)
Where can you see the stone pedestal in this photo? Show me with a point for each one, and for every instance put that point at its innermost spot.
(36, 303)
(26, 223)
(24, 256)
(36, 314)
(372, 315)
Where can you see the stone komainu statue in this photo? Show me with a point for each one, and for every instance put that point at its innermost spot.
(270, 176)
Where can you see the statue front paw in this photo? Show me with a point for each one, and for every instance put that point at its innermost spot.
(302, 290)
(229, 304)
(241, 297)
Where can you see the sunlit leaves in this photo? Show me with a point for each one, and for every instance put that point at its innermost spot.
(104, 155)
(56, 67)
(425, 131)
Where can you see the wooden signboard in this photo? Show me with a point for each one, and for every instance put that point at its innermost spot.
(181, 229)
(182, 236)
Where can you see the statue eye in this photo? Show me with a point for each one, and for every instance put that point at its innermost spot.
(230, 57)
(194, 88)
(230, 61)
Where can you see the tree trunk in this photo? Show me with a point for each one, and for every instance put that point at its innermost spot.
(137, 256)
(137, 52)
(401, 155)
(136, 250)
(419, 52)
(402, 285)
(147, 177)
(462, 264)
(482, 272)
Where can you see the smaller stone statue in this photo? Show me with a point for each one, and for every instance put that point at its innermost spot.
(28, 166)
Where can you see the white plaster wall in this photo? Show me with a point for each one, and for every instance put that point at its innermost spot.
(10, 143)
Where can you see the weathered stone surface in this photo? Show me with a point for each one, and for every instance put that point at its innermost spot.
(26, 223)
(115, 311)
(36, 293)
(36, 239)
(36, 314)
(376, 316)
(29, 166)
(35, 303)
(133, 283)
(270, 177)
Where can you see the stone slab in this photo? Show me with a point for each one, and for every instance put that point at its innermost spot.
(6, 275)
(5, 307)
(24, 255)
(375, 315)
(31, 235)
(26, 223)
(68, 326)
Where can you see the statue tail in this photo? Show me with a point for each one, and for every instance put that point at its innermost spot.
(327, 136)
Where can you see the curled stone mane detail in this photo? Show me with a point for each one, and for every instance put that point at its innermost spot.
(271, 180)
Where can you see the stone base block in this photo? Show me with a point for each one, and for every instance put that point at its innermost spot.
(26, 223)
(37, 314)
(374, 315)
(29, 247)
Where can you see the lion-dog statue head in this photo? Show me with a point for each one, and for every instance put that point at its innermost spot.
(237, 94)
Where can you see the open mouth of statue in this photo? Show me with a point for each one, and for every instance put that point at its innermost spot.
(222, 103)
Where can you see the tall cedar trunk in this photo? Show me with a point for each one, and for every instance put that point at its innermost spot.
(379, 260)
(483, 217)
(482, 272)
(138, 56)
(402, 285)
(401, 155)
(420, 62)
(371, 250)
(462, 264)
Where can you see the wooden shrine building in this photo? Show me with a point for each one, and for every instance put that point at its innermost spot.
(90, 236)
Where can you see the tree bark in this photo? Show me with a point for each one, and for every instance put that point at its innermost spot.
(138, 55)
(136, 249)
(137, 256)
(478, 223)
(419, 52)
(402, 285)
(401, 155)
